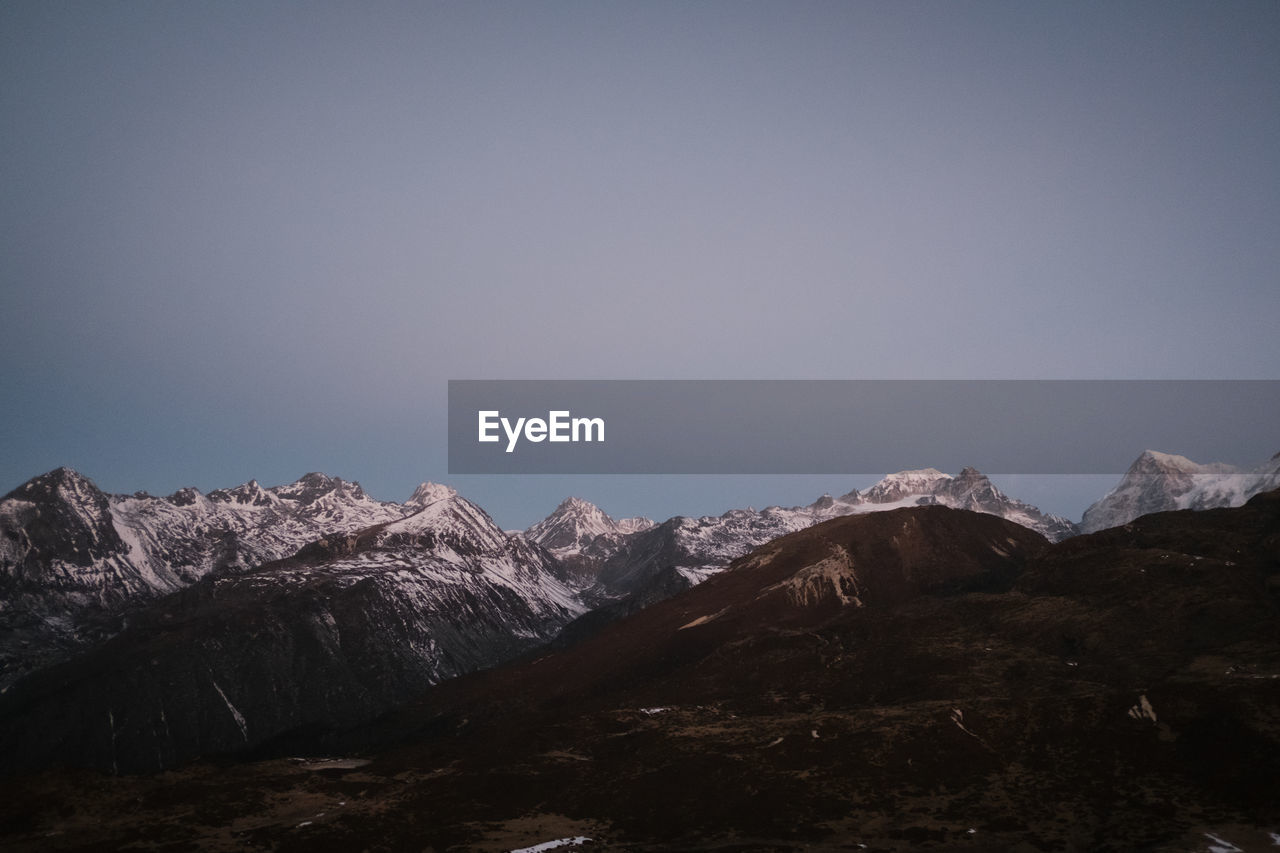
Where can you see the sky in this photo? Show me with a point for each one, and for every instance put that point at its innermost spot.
(251, 240)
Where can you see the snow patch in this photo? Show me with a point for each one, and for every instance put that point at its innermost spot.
(1218, 845)
(239, 718)
(575, 841)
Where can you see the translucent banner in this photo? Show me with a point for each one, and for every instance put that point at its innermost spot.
(852, 426)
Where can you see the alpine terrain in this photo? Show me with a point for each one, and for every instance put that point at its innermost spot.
(74, 559)
(1162, 481)
(922, 678)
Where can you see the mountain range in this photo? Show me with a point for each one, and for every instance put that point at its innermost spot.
(919, 678)
(153, 630)
(73, 559)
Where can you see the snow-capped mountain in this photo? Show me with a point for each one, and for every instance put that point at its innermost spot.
(72, 558)
(341, 631)
(698, 547)
(576, 523)
(572, 526)
(1158, 482)
(61, 528)
(255, 612)
(581, 536)
(905, 484)
(634, 524)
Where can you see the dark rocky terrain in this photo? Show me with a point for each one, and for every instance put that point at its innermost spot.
(916, 679)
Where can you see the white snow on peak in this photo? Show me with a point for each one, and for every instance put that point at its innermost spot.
(573, 525)
(454, 519)
(1172, 461)
(916, 475)
(429, 493)
(634, 524)
(1159, 482)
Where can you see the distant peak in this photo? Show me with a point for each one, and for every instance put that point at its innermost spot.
(1150, 459)
(249, 493)
(63, 475)
(572, 504)
(312, 480)
(185, 496)
(634, 524)
(573, 524)
(429, 493)
(63, 481)
(918, 474)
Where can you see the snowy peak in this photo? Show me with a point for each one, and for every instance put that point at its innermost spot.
(634, 524)
(577, 505)
(55, 523)
(971, 486)
(60, 484)
(1155, 462)
(1159, 482)
(451, 521)
(429, 493)
(69, 551)
(188, 496)
(895, 487)
(315, 486)
(308, 490)
(970, 489)
(572, 526)
(1154, 459)
(249, 494)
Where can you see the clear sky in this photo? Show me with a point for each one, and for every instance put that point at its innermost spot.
(250, 240)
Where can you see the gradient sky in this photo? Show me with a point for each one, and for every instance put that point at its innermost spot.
(245, 239)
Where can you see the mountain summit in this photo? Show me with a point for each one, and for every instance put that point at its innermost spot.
(576, 523)
(571, 526)
(1157, 482)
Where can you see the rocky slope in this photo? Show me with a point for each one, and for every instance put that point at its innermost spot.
(1157, 482)
(345, 629)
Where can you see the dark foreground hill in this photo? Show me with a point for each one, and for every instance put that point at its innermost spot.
(918, 679)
